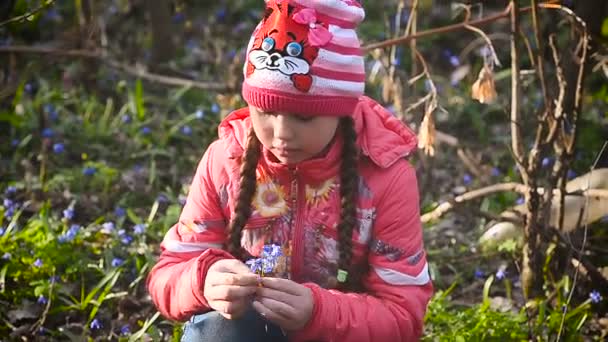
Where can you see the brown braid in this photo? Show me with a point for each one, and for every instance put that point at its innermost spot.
(349, 185)
(247, 187)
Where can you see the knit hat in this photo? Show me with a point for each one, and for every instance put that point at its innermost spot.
(305, 57)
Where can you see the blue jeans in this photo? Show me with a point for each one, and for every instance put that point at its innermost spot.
(213, 327)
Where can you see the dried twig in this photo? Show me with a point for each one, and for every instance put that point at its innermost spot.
(449, 28)
(129, 69)
(44, 5)
(516, 142)
(445, 207)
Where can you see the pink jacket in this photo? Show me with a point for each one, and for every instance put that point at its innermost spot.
(389, 232)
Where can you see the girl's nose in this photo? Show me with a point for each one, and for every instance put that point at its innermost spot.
(283, 129)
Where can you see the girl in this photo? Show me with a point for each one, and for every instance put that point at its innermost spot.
(314, 167)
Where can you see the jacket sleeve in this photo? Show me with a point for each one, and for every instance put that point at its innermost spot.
(190, 247)
(398, 284)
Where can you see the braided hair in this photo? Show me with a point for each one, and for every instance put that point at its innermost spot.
(242, 210)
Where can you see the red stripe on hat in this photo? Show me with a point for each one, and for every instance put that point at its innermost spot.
(343, 50)
(337, 75)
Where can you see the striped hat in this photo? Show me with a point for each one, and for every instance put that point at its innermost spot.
(305, 57)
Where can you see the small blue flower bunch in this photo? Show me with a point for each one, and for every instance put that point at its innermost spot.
(267, 262)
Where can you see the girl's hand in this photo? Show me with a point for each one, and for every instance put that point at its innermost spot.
(229, 287)
(284, 302)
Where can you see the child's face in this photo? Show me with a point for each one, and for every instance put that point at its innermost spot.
(293, 138)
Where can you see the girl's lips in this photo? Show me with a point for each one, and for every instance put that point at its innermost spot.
(285, 151)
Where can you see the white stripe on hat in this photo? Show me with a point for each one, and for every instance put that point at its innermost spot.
(345, 63)
(338, 9)
(343, 36)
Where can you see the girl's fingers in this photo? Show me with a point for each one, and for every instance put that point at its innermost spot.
(220, 278)
(276, 309)
(270, 315)
(282, 285)
(230, 308)
(229, 292)
(265, 292)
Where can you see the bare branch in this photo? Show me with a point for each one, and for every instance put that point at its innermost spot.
(449, 28)
(129, 69)
(44, 5)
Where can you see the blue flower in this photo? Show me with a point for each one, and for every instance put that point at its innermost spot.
(595, 296)
(126, 118)
(126, 239)
(7, 203)
(6, 256)
(178, 17)
(48, 108)
(70, 234)
(501, 274)
(42, 300)
(58, 148)
(89, 171)
(11, 190)
(139, 228)
(2, 231)
(47, 133)
(467, 179)
(145, 130)
(68, 214)
(271, 251)
(495, 172)
(454, 61)
(221, 14)
(8, 214)
(95, 324)
(15, 142)
(38, 263)
(480, 274)
(215, 108)
(199, 114)
(125, 330)
(120, 212)
(520, 200)
(116, 262)
(268, 266)
(547, 161)
(162, 199)
(29, 88)
(571, 174)
(186, 130)
(54, 279)
(254, 264)
(107, 227)
(42, 330)
(191, 44)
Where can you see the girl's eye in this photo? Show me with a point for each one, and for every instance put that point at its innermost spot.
(294, 49)
(303, 118)
(267, 44)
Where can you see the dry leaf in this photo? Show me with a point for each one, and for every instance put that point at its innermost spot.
(484, 89)
(426, 135)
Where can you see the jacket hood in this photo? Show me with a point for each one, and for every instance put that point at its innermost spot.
(381, 137)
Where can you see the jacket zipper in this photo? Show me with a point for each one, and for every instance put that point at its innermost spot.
(296, 229)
